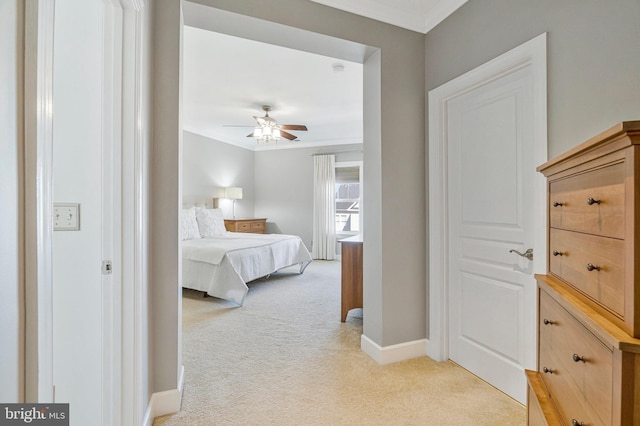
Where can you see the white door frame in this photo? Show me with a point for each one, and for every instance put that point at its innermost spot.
(122, 329)
(123, 140)
(531, 54)
(134, 212)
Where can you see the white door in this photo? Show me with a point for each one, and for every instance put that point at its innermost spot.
(490, 150)
(86, 303)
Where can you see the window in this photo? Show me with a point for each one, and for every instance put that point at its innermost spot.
(348, 195)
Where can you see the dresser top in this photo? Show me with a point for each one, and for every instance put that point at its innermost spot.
(620, 136)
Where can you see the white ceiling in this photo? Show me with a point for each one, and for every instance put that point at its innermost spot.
(416, 15)
(227, 79)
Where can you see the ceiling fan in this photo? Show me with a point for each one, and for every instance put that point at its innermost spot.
(269, 130)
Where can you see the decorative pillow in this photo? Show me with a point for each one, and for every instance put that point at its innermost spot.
(189, 225)
(210, 222)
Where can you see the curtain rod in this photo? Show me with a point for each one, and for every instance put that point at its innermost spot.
(334, 153)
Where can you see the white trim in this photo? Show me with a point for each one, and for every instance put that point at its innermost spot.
(530, 54)
(111, 219)
(166, 402)
(124, 398)
(394, 353)
(134, 5)
(38, 100)
(138, 237)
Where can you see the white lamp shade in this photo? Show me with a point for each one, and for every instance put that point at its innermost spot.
(233, 193)
(219, 192)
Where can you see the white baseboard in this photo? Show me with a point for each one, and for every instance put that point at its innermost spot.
(393, 353)
(166, 402)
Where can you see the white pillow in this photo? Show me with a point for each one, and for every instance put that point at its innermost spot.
(189, 226)
(210, 222)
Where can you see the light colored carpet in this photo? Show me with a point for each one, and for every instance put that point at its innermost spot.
(284, 358)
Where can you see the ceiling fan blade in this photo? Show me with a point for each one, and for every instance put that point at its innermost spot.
(261, 121)
(250, 135)
(293, 127)
(287, 135)
(235, 125)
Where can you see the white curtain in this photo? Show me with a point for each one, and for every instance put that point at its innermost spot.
(324, 207)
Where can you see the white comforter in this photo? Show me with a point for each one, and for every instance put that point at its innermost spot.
(221, 266)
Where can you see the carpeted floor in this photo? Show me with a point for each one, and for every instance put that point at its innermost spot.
(284, 358)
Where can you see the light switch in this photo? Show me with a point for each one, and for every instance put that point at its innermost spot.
(66, 217)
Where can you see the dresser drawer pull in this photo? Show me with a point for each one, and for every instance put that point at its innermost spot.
(548, 322)
(557, 204)
(574, 422)
(547, 370)
(558, 253)
(578, 358)
(591, 267)
(591, 201)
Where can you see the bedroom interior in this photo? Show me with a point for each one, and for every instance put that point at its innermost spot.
(323, 92)
(299, 87)
(593, 58)
(221, 159)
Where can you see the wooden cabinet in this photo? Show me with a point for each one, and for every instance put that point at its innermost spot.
(254, 226)
(351, 275)
(589, 302)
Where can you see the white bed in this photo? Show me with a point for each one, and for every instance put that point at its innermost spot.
(222, 264)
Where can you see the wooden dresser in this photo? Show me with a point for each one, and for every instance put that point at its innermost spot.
(351, 296)
(254, 226)
(589, 301)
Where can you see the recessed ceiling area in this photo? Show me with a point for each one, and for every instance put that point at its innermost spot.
(416, 15)
(233, 65)
(227, 80)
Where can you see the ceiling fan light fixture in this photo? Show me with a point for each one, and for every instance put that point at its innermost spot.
(269, 130)
(267, 133)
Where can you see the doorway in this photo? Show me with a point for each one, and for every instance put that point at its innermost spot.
(487, 135)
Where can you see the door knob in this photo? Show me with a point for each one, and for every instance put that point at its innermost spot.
(528, 254)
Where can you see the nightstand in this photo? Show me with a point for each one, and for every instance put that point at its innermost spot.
(251, 225)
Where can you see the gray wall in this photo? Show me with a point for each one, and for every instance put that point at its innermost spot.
(208, 165)
(165, 198)
(394, 152)
(284, 187)
(593, 57)
(11, 293)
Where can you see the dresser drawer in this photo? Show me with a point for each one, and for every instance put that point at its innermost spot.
(571, 253)
(564, 393)
(257, 227)
(254, 226)
(591, 202)
(243, 227)
(576, 367)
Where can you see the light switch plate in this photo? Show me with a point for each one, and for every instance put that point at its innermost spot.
(66, 217)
